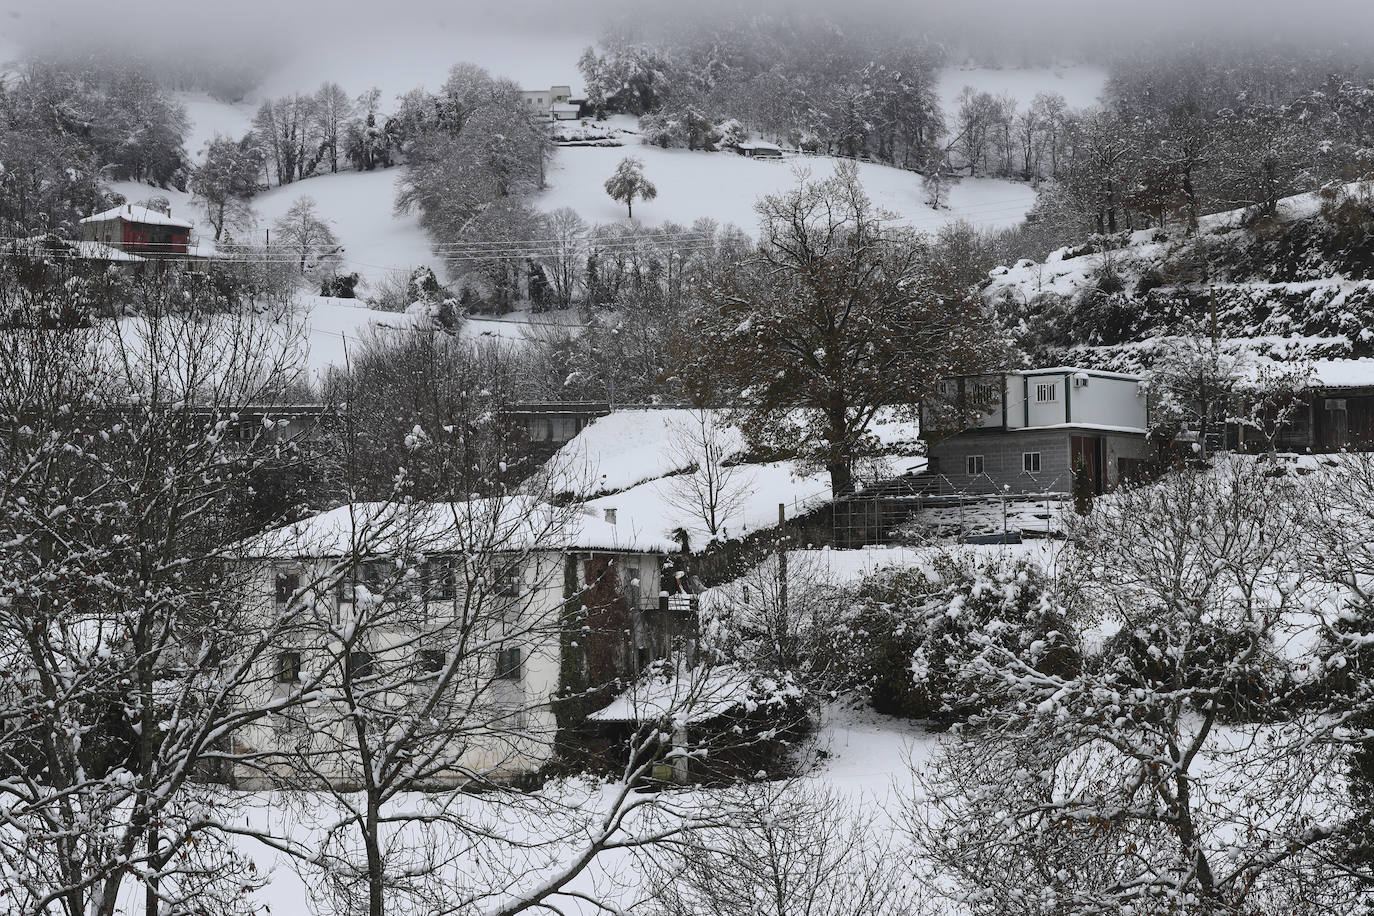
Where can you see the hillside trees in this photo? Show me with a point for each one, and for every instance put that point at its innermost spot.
(63, 130)
(473, 154)
(836, 318)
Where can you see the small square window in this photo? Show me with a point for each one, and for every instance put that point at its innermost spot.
(432, 660)
(510, 581)
(287, 584)
(1030, 462)
(508, 665)
(288, 667)
(358, 665)
(975, 465)
(1047, 393)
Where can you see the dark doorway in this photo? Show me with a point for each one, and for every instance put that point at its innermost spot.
(1090, 451)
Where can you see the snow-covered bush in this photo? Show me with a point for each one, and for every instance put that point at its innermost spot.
(916, 637)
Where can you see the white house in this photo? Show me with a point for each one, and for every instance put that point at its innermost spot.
(1027, 430)
(543, 101)
(387, 600)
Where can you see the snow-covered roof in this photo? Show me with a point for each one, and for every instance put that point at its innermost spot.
(132, 214)
(759, 144)
(1077, 370)
(566, 107)
(95, 251)
(692, 695)
(492, 525)
(1342, 373)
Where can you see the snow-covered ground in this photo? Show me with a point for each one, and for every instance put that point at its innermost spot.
(637, 463)
(724, 187)
(210, 116)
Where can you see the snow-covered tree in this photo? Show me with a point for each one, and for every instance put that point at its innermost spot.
(629, 182)
(226, 181)
(1160, 779)
(837, 317)
(306, 238)
(127, 448)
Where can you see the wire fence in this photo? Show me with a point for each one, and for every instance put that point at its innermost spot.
(976, 507)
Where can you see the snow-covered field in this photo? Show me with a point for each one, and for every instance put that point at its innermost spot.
(724, 187)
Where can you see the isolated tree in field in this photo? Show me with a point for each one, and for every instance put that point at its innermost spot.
(629, 182)
(307, 238)
(227, 180)
(837, 318)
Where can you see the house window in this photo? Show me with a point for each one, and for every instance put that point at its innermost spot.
(949, 389)
(508, 665)
(509, 581)
(288, 667)
(287, 584)
(1030, 462)
(432, 660)
(438, 579)
(1047, 393)
(358, 665)
(975, 465)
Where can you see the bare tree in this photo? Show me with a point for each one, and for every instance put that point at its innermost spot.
(711, 489)
(792, 850)
(128, 448)
(1160, 778)
(307, 237)
(565, 253)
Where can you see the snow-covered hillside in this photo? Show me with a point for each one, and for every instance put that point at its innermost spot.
(1297, 285)
(724, 187)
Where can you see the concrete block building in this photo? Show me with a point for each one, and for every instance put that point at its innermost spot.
(1025, 431)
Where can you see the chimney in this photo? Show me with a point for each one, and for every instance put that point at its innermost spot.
(610, 516)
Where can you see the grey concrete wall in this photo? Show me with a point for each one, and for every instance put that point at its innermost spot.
(1003, 459)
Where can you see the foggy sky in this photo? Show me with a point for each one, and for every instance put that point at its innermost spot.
(258, 29)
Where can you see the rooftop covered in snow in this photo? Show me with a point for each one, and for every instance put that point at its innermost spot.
(132, 214)
(492, 525)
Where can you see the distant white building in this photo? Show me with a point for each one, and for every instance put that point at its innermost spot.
(494, 573)
(1030, 429)
(543, 101)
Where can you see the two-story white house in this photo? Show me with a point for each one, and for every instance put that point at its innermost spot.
(554, 102)
(392, 599)
(1027, 430)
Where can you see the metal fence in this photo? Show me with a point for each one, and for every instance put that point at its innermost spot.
(978, 506)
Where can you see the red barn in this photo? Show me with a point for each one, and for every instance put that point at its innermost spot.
(150, 233)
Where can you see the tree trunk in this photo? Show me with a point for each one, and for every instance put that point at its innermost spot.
(375, 878)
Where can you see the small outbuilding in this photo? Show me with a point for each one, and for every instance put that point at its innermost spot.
(139, 230)
(758, 149)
